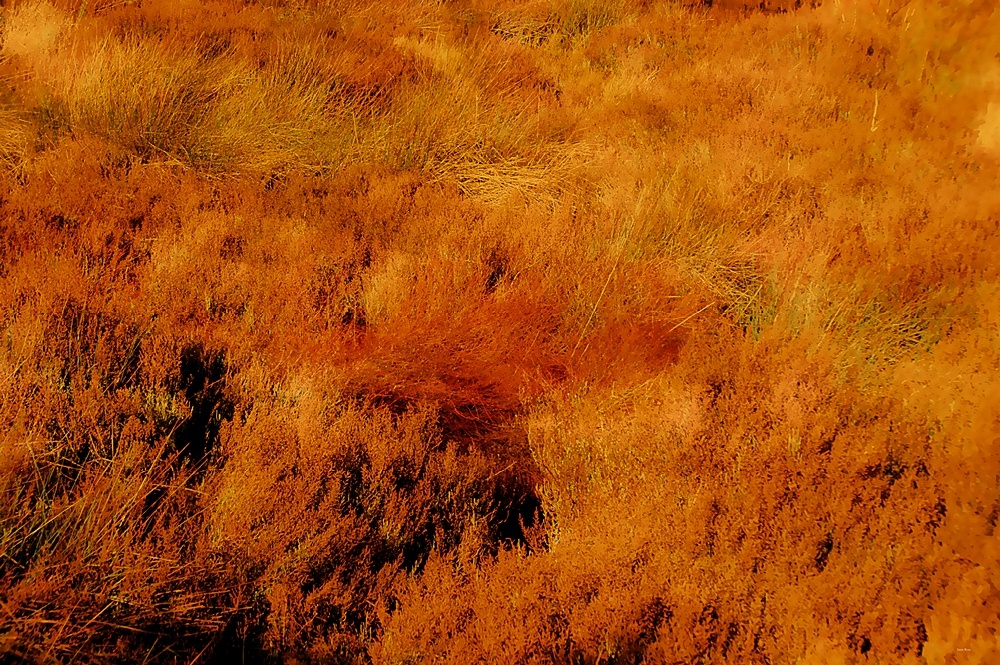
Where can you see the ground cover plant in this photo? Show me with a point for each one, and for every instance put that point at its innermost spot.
(557, 331)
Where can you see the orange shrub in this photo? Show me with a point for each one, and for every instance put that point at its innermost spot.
(568, 331)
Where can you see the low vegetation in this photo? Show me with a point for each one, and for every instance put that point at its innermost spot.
(562, 331)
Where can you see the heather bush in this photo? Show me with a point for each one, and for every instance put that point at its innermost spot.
(534, 332)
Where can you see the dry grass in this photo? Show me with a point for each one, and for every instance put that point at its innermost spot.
(567, 331)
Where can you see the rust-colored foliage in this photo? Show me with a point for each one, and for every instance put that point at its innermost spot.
(564, 331)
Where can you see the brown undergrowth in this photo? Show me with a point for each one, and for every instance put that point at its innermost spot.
(568, 331)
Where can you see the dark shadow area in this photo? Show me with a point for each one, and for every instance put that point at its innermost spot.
(509, 493)
(202, 382)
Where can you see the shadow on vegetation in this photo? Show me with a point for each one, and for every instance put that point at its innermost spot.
(475, 485)
(494, 431)
(202, 382)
